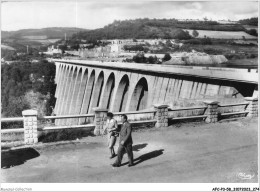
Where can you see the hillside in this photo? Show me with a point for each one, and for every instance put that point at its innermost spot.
(45, 33)
(153, 28)
(223, 34)
(37, 39)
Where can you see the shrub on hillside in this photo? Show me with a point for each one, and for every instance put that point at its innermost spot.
(202, 41)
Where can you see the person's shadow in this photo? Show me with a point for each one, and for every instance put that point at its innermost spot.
(139, 146)
(148, 156)
(16, 157)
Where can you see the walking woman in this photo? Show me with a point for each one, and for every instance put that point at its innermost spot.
(110, 128)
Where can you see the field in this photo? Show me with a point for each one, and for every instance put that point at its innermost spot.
(43, 39)
(223, 34)
(35, 37)
(224, 49)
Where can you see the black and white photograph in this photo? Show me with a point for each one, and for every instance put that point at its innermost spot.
(129, 95)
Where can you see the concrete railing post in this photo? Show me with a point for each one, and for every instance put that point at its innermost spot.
(252, 106)
(211, 111)
(100, 119)
(161, 115)
(30, 126)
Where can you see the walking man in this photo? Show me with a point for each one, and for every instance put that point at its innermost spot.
(125, 143)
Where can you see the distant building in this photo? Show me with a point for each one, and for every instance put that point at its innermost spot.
(52, 50)
(35, 61)
(83, 41)
(82, 45)
(74, 53)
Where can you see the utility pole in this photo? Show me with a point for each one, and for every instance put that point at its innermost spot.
(27, 49)
(65, 37)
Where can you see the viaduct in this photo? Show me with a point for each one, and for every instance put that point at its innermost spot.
(119, 87)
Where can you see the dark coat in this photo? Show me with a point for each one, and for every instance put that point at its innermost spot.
(126, 133)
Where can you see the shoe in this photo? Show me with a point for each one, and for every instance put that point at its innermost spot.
(111, 157)
(131, 165)
(115, 165)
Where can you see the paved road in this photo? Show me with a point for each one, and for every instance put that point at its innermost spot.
(191, 152)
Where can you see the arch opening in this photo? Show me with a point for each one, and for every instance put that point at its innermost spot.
(108, 92)
(88, 93)
(139, 98)
(95, 97)
(122, 94)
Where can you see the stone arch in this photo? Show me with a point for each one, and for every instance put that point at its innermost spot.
(122, 94)
(75, 93)
(59, 110)
(60, 80)
(88, 93)
(69, 94)
(108, 91)
(95, 98)
(140, 96)
(66, 83)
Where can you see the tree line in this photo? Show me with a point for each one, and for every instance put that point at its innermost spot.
(25, 85)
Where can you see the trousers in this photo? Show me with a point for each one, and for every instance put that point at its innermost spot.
(120, 153)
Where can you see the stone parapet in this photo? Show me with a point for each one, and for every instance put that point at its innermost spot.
(161, 115)
(211, 111)
(30, 126)
(100, 119)
(252, 107)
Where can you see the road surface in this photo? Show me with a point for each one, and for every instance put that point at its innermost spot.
(182, 153)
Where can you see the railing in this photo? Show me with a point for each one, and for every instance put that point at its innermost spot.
(12, 119)
(160, 115)
(68, 116)
(226, 110)
(184, 113)
(137, 117)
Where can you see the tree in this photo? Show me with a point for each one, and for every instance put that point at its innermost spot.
(15, 106)
(19, 79)
(63, 48)
(151, 60)
(205, 18)
(195, 33)
(167, 57)
(139, 58)
(252, 32)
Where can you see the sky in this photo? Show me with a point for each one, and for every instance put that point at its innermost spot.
(17, 15)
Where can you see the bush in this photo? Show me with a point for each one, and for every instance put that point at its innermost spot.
(195, 33)
(252, 32)
(11, 125)
(252, 56)
(167, 57)
(139, 58)
(64, 135)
